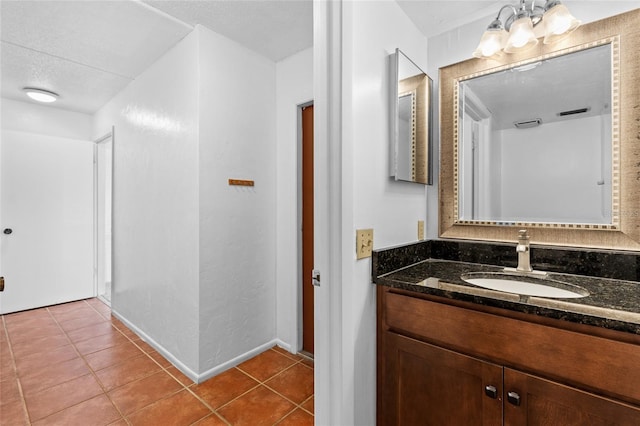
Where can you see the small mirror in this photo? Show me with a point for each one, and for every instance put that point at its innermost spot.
(410, 121)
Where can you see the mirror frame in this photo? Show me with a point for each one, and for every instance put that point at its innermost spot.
(624, 232)
(419, 86)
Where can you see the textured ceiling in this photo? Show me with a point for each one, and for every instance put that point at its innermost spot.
(89, 50)
(86, 51)
(275, 28)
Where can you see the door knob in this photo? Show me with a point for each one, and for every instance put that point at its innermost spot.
(1, 283)
(7, 231)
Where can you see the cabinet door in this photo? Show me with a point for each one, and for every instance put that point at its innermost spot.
(428, 385)
(542, 402)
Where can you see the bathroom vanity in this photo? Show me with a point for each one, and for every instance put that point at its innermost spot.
(450, 352)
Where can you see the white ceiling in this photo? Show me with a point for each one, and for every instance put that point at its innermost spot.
(89, 50)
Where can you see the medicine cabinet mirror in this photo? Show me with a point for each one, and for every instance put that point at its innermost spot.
(546, 140)
(410, 120)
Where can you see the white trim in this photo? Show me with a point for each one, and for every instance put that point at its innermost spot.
(199, 378)
(330, 406)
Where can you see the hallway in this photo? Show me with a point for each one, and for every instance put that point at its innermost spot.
(75, 364)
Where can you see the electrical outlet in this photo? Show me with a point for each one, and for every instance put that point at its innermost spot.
(420, 230)
(364, 243)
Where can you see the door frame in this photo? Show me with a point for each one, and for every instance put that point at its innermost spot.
(96, 194)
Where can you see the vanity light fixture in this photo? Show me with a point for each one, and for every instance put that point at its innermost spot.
(516, 34)
(41, 95)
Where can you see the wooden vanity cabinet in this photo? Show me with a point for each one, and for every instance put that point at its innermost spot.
(456, 369)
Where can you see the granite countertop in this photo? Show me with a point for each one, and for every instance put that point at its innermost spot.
(612, 303)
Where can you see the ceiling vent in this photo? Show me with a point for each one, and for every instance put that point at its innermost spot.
(573, 112)
(527, 124)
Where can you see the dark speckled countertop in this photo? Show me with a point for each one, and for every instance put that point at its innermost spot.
(612, 303)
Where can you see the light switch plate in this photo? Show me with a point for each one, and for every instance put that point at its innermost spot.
(420, 230)
(364, 243)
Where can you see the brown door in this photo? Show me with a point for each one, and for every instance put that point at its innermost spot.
(307, 228)
(427, 385)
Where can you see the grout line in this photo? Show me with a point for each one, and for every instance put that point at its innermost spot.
(93, 373)
(296, 358)
(15, 370)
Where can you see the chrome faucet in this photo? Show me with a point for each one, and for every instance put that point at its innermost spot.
(524, 253)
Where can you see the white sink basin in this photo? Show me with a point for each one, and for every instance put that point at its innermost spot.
(524, 285)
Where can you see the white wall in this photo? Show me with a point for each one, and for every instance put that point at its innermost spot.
(458, 44)
(237, 109)
(294, 86)
(155, 204)
(33, 118)
(370, 198)
(566, 183)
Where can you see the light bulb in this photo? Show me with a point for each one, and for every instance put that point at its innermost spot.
(559, 23)
(521, 35)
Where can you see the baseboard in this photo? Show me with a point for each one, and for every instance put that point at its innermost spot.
(199, 378)
(158, 347)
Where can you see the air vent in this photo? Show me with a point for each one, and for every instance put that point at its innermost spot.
(526, 124)
(573, 112)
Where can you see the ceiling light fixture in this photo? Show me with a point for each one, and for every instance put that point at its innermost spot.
(41, 95)
(516, 33)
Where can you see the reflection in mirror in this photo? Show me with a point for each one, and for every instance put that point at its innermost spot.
(410, 98)
(535, 141)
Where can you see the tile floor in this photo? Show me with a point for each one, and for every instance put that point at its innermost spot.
(74, 364)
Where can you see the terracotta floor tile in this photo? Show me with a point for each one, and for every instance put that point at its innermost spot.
(159, 359)
(43, 344)
(13, 413)
(43, 359)
(258, 407)
(266, 365)
(67, 307)
(179, 376)
(7, 370)
(126, 372)
(78, 313)
(137, 395)
(297, 418)
(91, 331)
(308, 362)
(9, 390)
(211, 420)
(20, 319)
(309, 405)
(180, 409)
(57, 398)
(295, 383)
(121, 422)
(34, 333)
(46, 377)
(112, 356)
(97, 411)
(224, 387)
(127, 332)
(144, 346)
(74, 324)
(99, 343)
(287, 353)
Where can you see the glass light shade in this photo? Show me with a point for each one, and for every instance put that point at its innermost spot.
(40, 95)
(559, 23)
(521, 36)
(491, 43)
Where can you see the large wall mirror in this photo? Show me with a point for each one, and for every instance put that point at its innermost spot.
(548, 141)
(410, 120)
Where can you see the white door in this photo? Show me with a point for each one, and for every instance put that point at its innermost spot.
(46, 220)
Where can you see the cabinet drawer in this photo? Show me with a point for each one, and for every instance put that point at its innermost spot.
(601, 365)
